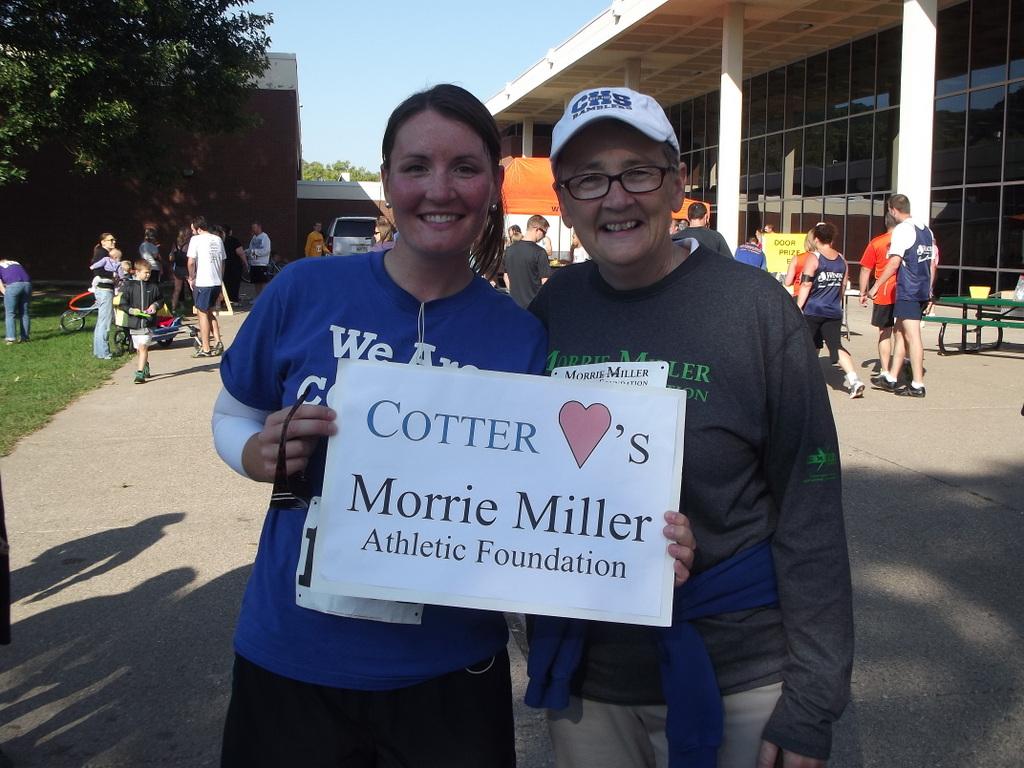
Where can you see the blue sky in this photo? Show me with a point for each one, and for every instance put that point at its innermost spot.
(358, 60)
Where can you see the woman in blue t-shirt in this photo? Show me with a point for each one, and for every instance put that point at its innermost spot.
(410, 688)
(822, 285)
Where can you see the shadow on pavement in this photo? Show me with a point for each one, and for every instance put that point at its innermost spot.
(82, 559)
(133, 679)
(936, 570)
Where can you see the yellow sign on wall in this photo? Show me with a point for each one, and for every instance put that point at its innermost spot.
(781, 247)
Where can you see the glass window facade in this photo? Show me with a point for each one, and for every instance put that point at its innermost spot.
(820, 142)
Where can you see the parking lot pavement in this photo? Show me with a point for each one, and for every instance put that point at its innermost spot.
(130, 553)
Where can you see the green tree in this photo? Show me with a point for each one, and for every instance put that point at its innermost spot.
(113, 81)
(316, 171)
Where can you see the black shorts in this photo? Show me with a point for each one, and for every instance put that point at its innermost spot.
(257, 274)
(828, 329)
(459, 720)
(881, 316)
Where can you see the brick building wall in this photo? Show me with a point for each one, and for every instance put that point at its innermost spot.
(55, 218)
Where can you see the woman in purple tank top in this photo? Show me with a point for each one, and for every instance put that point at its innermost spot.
(821, 298)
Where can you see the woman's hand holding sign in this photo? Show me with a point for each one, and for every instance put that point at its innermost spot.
(683, 545)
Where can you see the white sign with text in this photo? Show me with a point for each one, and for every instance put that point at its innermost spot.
(499, 491)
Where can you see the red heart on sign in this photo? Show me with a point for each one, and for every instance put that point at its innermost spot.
(583, 427)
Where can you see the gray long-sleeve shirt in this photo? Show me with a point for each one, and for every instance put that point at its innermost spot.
(761, 460)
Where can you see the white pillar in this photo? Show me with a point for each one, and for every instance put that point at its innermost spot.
(528, 137)
(729, 134)
(917, 105)
(632, 75)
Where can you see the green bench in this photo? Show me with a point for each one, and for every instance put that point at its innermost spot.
(977, 323)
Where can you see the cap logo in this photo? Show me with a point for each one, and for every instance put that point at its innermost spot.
(597, 100)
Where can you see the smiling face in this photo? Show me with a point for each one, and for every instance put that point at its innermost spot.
(626, 233)
(440, 182)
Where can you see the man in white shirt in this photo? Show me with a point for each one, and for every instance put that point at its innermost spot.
(259, 257)
(205, 276)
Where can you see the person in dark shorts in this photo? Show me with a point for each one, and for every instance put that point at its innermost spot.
(821, 298)
(234, 265)
(206, 274)
(913, 259)
(872, 263)
(179, 267)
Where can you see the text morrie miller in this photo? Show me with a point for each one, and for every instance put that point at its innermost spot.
(583, 516)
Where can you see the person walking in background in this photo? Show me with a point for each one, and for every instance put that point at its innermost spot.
(314, 242)
(105, 272)
(750, 253)
(912, 258)
(383, 235)
(873, 262)
(577, 253)
(796, 267)
(149, 249)
(106, 244)
(235, 265)
(206, 274)
(179, 267)
(526, 263)
(822, 284)
(16, 288)
(259, 258)
(140, 300)
(697, 229)
(515, 234)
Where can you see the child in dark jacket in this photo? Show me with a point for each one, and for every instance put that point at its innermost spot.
(139, 301)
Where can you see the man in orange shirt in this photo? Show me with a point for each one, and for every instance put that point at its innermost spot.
(874, 261)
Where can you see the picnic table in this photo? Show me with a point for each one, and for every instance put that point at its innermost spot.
(992, 312)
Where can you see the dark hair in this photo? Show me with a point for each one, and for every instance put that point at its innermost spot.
(696, 211)
(824, 232)
(199, 222)
(149, 234)
(458, 104)
(218, 230)
(900, 203)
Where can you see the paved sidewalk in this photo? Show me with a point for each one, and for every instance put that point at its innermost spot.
(131, 543)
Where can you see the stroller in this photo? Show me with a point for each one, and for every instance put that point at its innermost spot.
(164, 331)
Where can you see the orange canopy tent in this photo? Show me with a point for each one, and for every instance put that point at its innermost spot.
(528, 188)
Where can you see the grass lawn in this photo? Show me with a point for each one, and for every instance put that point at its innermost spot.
(41, 377)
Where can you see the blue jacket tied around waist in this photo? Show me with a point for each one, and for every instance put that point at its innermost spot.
(694, 722)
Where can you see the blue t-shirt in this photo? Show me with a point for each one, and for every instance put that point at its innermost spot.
(314, 312)
(752, 255)
(826, 296)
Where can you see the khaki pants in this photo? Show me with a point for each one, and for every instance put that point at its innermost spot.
(592, 734)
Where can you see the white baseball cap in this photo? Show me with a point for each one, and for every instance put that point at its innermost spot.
(634, 109)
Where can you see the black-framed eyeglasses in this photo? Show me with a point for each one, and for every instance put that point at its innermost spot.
(591, 186)
(290, 491)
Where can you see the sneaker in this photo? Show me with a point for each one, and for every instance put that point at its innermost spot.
(145, 371)
(857, 390)
(202, 353)
(876, 379)
(218, 348)
(909, 390)
(140, 377)
(884, 384)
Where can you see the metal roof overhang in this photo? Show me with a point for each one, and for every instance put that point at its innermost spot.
(678, 45)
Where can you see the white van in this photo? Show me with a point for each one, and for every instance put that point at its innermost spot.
(350, 234)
